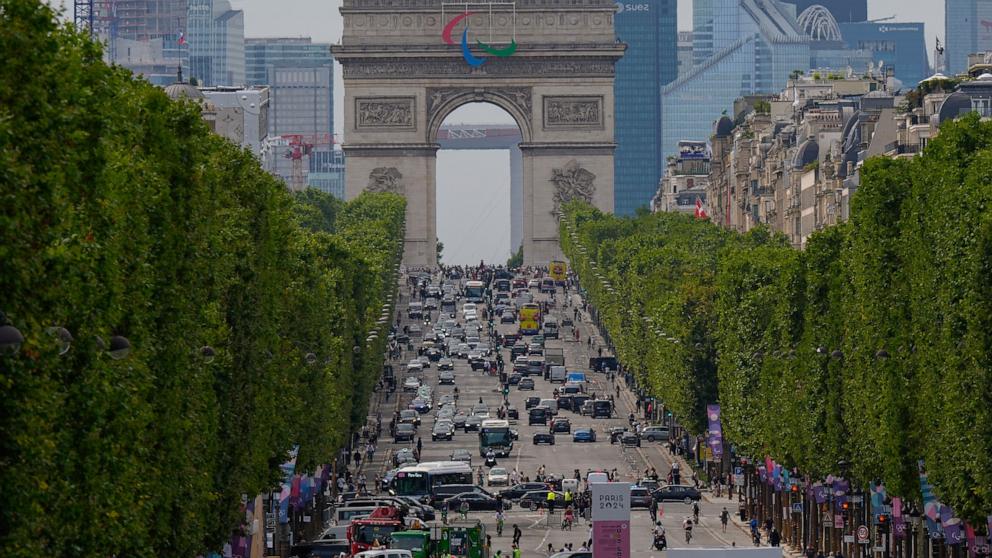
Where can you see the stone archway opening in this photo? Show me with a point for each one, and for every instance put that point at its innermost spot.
(479, 185)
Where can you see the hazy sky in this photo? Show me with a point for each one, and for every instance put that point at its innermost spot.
(473, 186)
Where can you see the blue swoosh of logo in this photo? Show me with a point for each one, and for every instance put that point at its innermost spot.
(473, 61)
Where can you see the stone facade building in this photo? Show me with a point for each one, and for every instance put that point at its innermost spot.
(792, 161)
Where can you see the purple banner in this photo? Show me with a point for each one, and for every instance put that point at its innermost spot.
(951, 525)
(715, 434)
(841, 486)
(820, 493)
(898, 521)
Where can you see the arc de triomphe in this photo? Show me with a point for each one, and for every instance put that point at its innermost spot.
(407, 64)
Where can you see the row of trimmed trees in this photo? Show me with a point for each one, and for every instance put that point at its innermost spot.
(871, 346)
(248, 310)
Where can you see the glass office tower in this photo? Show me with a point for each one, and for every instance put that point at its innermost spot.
(968, 30)
(900, 46)
(648, 27)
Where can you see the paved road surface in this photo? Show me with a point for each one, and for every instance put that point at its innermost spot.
(562, 458)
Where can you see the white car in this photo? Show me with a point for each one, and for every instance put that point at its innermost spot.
(411, 384)
(469, 307)
(534, 284)
(415, 366)
(498, 476)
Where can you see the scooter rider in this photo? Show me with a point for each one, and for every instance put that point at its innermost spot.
(660, 542)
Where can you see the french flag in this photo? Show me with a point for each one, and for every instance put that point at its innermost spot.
(182, 38)
(700, 212)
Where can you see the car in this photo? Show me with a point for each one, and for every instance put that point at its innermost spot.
(469, 307)
(531, 402)
(507, 317)
(561, 425)
(445, 413)
(640, 497)
(403, 457)
(434, 354)
(518, 350)
(443, 430)
(446, 377)
(415, 367)
(534, 284)
(431, 303)
(520, 365)
(544, 438)
(512, 413)
(566, 321)
(498, 476)
(518, 490)
(650, 484)
(478, 363)
(630, 440)
(534, 349)
(405, 432)
(473, 423)
(462, 350)
(459, 419)
(518, 284)
(551, 404)
(514, 379)
(615, 433)
(537, 415)
(535, 366)
(421, 405)
(565, 554)
(584, 435)
(571, 388)
(481, 410)
(654, 433)
(677, 493)
(476, 502)
(411, 383)
(409, 416)
(425, 361)
(586, 408)
(462, 455)
(525, 384)
(473, 341)
(536, 499)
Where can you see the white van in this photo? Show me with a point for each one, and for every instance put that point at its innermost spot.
(344, 515)
(558, 374)
(597, 477)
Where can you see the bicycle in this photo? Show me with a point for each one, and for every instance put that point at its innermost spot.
(688, 535)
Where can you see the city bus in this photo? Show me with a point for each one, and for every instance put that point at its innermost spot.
(418, 480)
(530, 319)
(475, 291)
(494, 434)
(558, 271)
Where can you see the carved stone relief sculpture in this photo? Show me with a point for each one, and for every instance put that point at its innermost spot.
(384, 112)
(573, 112)
(385, 179)
(572, 182)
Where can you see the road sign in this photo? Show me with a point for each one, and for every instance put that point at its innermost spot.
(849, 538)
(862, 534)
(611, 519)
(797, 507)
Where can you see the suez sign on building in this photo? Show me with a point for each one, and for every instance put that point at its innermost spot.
(610, 519)
(624, 7)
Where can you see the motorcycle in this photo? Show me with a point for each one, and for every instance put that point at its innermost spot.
(490, 459)
(660, 543)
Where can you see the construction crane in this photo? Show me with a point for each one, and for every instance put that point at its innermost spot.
(82, 15)
(299, 147)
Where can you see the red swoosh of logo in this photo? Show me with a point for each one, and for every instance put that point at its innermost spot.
(446, 34)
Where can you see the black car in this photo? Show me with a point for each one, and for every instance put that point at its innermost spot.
(602, 408)
(476, 502)
(518, 349)
(640, 497)
(531, 402)
(537, 499)
(526, 384)
(630, 440)
(676, 493)
(544, 438)
(518, 490)
(561, 425)
(405, 432)
(514, 379)
(537, 415)
(473, 423)
(478, 363)
(512, 413)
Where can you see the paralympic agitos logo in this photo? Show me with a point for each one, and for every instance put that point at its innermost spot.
(471, 59)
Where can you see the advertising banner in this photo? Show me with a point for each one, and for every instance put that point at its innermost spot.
(611, 519)
(714, 433)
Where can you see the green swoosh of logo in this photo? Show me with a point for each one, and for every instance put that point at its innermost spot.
(499, 52)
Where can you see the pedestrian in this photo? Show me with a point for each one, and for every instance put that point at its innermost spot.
(517, 533)
(358, 459)
(774, 538)
(725, 518)
(420, 445)
(516, 550)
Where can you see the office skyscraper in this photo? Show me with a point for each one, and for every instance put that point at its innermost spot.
(968, 30)
(216, 39)
(300, 76)
(901, 46)
(741, 47)
(648, 27)
(842, 10)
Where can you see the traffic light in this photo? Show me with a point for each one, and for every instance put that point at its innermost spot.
(845, 508)
(795, 488)
(883, 522)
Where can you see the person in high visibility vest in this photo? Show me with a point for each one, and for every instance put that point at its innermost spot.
(551, 502)
(568, 497)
